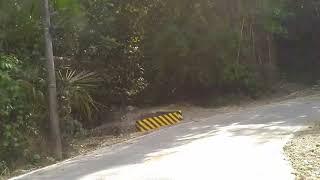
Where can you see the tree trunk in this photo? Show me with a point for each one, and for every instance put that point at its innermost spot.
(240, 41)
(52, 88)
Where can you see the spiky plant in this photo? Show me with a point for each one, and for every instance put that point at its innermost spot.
(75, 88)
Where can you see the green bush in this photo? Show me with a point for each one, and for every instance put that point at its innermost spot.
(4, 170)
(240, 76)
(15, 111)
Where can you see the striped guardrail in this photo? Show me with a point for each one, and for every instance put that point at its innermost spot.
(156, 122)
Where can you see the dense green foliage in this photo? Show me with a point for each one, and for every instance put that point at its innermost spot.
(111, 52)
(200, 46)
(15, 110)
(298, 50)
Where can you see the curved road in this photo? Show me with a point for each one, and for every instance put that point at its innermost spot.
(246, 145)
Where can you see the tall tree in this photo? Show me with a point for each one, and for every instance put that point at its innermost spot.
(52, 88)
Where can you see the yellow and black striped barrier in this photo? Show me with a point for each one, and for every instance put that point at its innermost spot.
(156, 122)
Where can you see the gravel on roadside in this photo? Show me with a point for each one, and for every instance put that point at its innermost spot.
(304, 153)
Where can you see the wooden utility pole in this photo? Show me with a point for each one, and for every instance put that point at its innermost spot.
(52, 87)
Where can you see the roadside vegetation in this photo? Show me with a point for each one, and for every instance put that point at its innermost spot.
(110, 54)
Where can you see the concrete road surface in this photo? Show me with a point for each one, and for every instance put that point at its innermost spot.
(246, 144)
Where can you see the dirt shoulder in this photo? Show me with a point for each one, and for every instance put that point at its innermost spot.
(304, 153)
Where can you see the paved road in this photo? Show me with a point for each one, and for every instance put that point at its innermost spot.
(241, 145)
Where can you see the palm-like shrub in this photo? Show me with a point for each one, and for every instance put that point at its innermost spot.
(75, 90)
